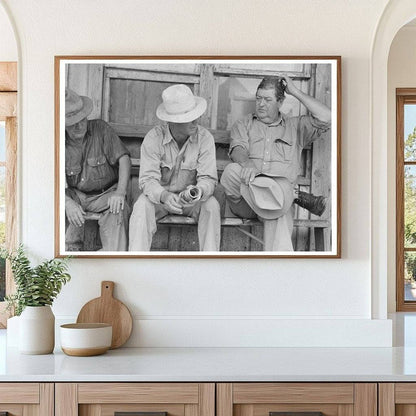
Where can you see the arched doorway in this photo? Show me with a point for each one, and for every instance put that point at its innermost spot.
(396, 14)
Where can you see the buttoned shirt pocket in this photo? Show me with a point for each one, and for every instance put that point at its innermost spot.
(72, 174)
(100, 175)
(165, 170)
(97, 167)
(282, 152)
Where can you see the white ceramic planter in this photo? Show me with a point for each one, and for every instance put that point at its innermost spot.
(37, 330)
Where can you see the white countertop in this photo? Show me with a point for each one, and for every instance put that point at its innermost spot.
(222, 364)
(213, 364)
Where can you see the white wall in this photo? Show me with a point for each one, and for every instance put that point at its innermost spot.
(401, 74)
(8, 47)
(211, 302)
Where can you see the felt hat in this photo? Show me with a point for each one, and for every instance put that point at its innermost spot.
(269, 198)
(180, 105)
(77, 107)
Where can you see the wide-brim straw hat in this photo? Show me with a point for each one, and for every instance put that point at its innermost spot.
(77, 107)
(180, 105)
(269, 198)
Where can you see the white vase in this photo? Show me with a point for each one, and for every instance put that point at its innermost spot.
(13, 331)
(37, 330)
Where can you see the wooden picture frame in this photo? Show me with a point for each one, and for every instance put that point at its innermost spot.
(125, 92)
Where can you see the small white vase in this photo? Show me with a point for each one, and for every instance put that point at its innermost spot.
(37, 330)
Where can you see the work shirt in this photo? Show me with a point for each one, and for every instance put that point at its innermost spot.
(164, 167)
(276, 148)
(91, 164)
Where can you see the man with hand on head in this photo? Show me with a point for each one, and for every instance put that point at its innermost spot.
(178, 172)
(97, 166)
(266, 150)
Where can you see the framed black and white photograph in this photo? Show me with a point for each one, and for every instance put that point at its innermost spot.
(198, 156)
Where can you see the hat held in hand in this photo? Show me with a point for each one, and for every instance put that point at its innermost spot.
(180, 105)
(269, 198)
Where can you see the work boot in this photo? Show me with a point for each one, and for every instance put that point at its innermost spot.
(314, 204)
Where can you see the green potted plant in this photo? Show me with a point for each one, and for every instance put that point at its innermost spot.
(36, 289)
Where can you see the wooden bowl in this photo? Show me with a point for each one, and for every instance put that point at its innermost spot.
(84, 340)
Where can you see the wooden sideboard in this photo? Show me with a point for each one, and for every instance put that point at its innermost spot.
(207, 399)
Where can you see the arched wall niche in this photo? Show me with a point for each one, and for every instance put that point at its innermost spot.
(396, 14)
(9, 50)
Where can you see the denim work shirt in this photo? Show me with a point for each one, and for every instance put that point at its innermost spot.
(276, 148)
(91, 164)
(164, 167)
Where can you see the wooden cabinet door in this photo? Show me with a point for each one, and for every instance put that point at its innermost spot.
(296, 399)
(397, 399)
(153, 399)
(27, 399)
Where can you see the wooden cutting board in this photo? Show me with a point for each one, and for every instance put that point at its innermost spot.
(107, 309)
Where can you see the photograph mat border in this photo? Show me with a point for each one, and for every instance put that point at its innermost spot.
(334, 61)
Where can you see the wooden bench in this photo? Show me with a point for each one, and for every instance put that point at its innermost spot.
(317, 226)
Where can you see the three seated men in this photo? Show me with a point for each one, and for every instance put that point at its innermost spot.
(178, 172)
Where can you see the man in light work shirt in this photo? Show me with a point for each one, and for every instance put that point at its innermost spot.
(178, 172)
(269, 144)
(97, 167)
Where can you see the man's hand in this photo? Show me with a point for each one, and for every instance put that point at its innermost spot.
(74, 213)
(116, 202)
(290, 86)
(171, 202)
(248, 172)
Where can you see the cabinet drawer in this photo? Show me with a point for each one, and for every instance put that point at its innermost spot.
(21, 399)
(107, 399)
(397, 399)
(296, 399)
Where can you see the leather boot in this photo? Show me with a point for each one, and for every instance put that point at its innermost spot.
(314, 204)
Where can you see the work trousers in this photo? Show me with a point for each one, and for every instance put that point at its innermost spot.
(112, 227)
(277, 232)
(145, 213)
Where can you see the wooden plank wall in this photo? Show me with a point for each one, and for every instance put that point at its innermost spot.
(321, 155)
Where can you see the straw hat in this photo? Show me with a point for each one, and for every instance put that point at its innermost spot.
(180, 105)
(76, 107)
(269, 198)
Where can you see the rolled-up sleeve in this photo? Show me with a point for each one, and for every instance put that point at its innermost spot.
(310, 128)
(150, 174)
(113, 147)
(207, 177)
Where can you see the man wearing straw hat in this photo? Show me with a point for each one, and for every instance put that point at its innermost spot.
(266, 150)
(97, 169)
(178, 172)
